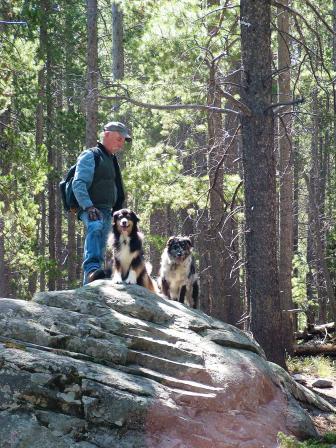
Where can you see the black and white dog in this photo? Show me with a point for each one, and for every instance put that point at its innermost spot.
(128, 259)
(178, 279)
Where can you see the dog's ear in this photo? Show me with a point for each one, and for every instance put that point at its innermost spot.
(115, 216)
(171, 240)
(188, 240)
(135, 217)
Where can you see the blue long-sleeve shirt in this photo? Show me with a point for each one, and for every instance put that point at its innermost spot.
(83, 178)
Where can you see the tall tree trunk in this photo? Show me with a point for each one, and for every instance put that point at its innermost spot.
(217, 245)
(5, 119)
(230, 228)
(322, 182)
(158, 228)
(325, 289)
(39, 139)
(259, 179)
(286, 178)
(51, 177)
(295, 200)
(224, 300)
(41, 223)
(59, 247)
(117, 42)
(187, 223)
(201, 226)
(118, 66)
(4, 205)
(70, 93)
(311, 312)
(46, 9)
(92, 75)
(314, 181)
(71, 251)
(43, 238)
(295, 217)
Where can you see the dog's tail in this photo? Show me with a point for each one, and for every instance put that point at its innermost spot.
(152, 284)
(149, 267)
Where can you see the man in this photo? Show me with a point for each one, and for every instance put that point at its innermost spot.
(98, 190)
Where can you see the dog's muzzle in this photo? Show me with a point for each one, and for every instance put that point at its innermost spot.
(179, 255)
(124, 223)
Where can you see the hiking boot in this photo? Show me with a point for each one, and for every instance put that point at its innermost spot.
(98, 274)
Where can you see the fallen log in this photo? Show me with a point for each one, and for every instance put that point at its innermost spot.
(315, 349)
(317, 329)
(323, 330)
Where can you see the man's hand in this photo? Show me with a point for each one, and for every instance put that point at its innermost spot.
(94, 214)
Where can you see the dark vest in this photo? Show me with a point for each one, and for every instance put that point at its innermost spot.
(106, 184)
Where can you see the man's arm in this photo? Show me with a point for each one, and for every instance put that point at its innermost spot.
(83, 179)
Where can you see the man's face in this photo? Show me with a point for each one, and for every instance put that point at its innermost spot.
(113, 141)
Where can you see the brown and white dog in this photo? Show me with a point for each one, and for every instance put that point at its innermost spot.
(178, 279)
(128, 259)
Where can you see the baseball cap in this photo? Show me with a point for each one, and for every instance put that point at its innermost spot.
(119, 127)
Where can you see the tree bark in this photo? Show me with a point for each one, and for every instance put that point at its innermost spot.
(4, 205)
(39, 140)
(286, 178)
(319, 252)
(117, 42)
(201, 223)
(224, 285)
(79, 253)
(316, 194)
(5, 119)
(92, 75)
(219, 304)
(158, 228)
(51, 181)
(49, 122)
(230, 229)
(59, 247)
(70, 93)
(310, 313)
(260, 179)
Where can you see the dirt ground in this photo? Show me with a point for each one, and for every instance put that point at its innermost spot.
(324, 421)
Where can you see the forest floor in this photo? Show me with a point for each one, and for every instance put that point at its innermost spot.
(324, 421)
(309, 371)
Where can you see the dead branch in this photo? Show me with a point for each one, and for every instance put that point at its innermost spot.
(241, 106)
(296, 13)
(285, 103)
(320, 16)
(222, 160)
(168, 106)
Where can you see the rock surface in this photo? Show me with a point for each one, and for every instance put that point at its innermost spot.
(322, 383)
(117, 367)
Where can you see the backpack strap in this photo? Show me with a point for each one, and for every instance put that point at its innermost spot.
(96, 155)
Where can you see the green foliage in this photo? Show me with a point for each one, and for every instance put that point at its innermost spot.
(300, 267)
(291, 442)
(169, 45)
(157, 180)
(320, 366)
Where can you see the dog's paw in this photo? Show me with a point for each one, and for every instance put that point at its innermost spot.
(131, 278)
(130, 281)
(117, 279)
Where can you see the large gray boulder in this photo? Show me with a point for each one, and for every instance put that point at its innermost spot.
(114, 366)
